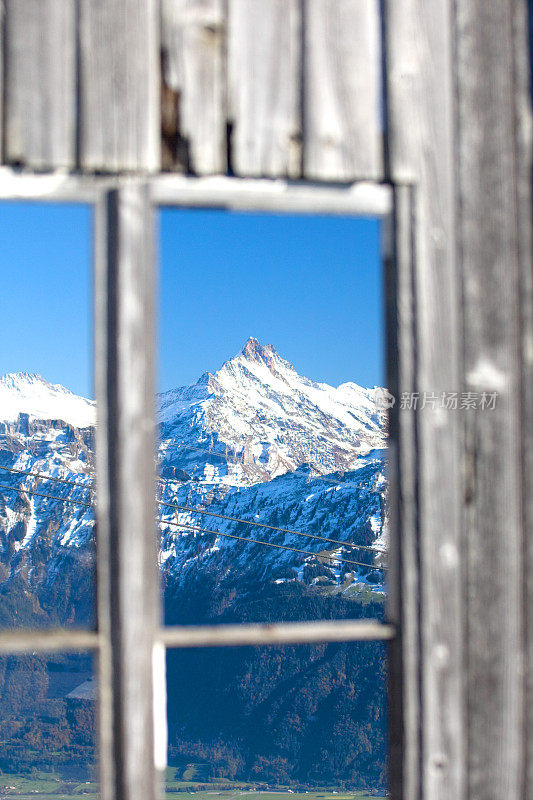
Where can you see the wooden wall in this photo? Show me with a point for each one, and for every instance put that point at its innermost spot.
(459, 147)
(285, 88)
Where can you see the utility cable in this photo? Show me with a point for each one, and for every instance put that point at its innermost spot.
(268, 544)
(213, 514)
(197, 528)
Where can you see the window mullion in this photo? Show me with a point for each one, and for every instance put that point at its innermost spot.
(128, 595)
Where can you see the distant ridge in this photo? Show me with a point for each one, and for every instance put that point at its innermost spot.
(29, 393)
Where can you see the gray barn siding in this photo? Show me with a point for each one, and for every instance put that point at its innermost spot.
(494, 233)
(524, 153)
(119, 86)
(460, 135)
(264, 51)
(40, 83)
(342, 99)
(419, 45)
(288, 88)
(194, 86)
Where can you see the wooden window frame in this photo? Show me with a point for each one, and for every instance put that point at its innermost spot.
(129, 630)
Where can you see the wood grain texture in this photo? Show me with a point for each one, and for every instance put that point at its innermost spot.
(279, 196)
(342, 92)
(496, 247)
(40, 83)
(53, 640)
(244, 634)
(264, 57)
(403, 596)
(194, 77)
(523, 34)
(119, 104)
(421, 113)
(128, 589)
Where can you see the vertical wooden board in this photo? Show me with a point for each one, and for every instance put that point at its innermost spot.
(193, 101)
(403, 595)
(495, 239)
(342, 90)
(523, 31)
(421, 114)
(40, 83)
(264, 52)
(128, 593)
(119, 104)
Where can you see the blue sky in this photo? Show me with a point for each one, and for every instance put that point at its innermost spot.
(311, 286)
(45, 253)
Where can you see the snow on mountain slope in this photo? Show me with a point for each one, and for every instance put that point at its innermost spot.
(256, 405)
(260, 412)
(27, 393)
(254, 440)
(349, 508)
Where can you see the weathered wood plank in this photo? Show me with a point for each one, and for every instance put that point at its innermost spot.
(40, 83)
(403, 579)
(364, 199)
(523, 49)
(342, 91)
(193, 102)
(419, 47)
(264, 56)
(119, 104)
(53, 640)
(243, 634)
(493, 242)
(128, 591)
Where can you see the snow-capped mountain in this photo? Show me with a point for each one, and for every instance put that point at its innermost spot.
(264, 419)
(253, 441)
(27, 393)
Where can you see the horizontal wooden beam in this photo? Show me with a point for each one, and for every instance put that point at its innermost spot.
(249, 194)
(280, 633)
(28, 641)
(366, 199)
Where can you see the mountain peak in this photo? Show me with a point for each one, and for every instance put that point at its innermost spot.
(15, 380)
(253, 349)
(29, 393)
(266, 354)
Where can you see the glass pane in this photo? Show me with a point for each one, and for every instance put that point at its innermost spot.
(272, 492)
(307, 719)
(47, 726)
(47, 418)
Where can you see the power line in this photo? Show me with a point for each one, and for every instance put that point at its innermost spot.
(44, 476)
(48, 496)
(269, 527)
(196, 528)
(267, 544)
(213, 514)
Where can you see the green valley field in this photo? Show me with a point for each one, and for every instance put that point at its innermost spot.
(54, 785)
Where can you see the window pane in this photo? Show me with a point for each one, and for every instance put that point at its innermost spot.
(309, 718)
(47, 726)
(272, 436)
(47, 418)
